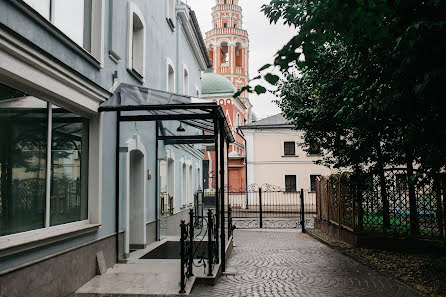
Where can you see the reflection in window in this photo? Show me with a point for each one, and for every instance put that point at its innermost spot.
(73, 18)
(290, 183)
(313, 179)
(69, 164)
(23, 145)
(24, 166)
(41, 6)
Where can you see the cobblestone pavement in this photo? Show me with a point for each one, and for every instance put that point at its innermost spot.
(289, 263)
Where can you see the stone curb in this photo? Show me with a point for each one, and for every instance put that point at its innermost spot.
(363, 262)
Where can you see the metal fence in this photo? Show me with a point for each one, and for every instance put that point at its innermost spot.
(270, 207)
(392, 202)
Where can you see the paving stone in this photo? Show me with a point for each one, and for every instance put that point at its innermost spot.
(289, 263)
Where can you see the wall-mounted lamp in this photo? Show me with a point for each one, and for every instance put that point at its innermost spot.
(180, 128)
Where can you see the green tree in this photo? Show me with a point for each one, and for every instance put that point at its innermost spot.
(364, 79)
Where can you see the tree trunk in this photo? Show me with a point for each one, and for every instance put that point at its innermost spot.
(414, 224)
(383, 187)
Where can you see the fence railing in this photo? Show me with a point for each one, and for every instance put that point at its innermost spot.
(391, 203)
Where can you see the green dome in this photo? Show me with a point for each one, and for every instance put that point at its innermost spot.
(216, 84)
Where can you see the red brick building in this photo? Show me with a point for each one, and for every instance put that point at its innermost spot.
(228, 47)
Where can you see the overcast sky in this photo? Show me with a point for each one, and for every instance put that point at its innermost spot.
(264, 41)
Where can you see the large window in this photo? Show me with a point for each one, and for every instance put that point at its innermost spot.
(290, 183)
(289, 148)
(43, 164)
(80, 20)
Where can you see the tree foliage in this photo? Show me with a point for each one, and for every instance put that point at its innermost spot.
(364, 78)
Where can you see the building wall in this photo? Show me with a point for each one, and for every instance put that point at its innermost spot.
(268, 165)
(161, 44)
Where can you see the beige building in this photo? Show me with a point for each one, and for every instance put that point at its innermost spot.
(275, 157)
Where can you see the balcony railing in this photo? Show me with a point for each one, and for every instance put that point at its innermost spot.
(227, 31)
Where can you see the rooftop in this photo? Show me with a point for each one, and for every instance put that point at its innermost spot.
(275, 121)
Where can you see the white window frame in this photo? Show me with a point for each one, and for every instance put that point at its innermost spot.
(170, 64)
(137, 69)
(297, 182)
(21, 241)
(186, 81)
(183, 173)
(96, 35)
(309, 181)
(295, 148)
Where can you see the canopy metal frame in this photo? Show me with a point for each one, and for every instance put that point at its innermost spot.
(198, 115)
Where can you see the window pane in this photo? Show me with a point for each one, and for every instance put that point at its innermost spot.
(41, 6)
(290, 183)
(23, 145)
(313, 182)
(290, 149)
(69, 168)
(69, 18)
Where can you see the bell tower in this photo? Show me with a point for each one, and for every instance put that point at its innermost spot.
(228, 46)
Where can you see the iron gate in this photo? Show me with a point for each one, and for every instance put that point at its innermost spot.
(271, 207)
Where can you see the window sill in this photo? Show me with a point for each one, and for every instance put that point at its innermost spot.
(136, 75)
(170, 23)
(290, 156)
(11, 244)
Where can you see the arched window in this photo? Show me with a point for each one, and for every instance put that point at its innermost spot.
(170, 77)
(185, 81)
(238, 55)
(137, 40)
(224, 53)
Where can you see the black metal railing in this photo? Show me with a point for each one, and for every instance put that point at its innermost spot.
(186, 253)
(270, 206)
(198, 236)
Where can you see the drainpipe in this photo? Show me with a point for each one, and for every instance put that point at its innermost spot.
(157, 233)
(118, 135)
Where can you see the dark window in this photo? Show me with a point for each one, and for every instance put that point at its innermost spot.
(313, 182)
(289, 148)
(290, 183)
(24, 134)
(225, 25)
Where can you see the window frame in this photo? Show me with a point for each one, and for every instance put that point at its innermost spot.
(310, 190)
(283, 148)
(186, 83)
(284, 180)
(21, 241)
(96, 53)
(139, 72)
(169, 63)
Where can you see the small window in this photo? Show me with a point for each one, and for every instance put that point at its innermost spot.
(185, 82)
(313, 179)
(290, 183)
(170, 78)
(289, 148)
(225, 25)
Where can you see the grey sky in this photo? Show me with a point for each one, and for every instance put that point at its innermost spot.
(265, 41)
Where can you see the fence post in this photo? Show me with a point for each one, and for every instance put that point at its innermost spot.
(210, 244)
(191, 245)
(260, 208)
(302, 210)
(182, 256)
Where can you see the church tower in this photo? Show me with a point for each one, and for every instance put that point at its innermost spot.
(228, 46)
